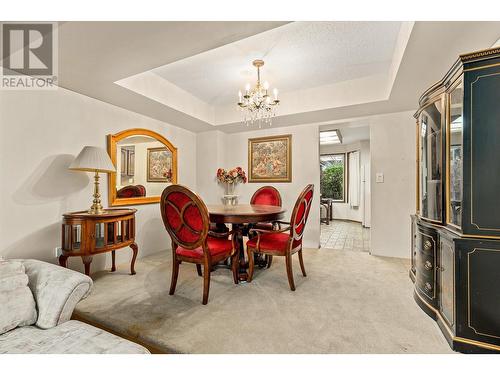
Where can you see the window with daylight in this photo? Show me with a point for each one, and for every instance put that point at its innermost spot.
(332, 182)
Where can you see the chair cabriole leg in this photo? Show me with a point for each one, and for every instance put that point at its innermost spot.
(301, 261)
(206, 281)
(250, 264)
(198, 269)
(234, 267)
(289, 272)
(175, 274)
(269, 260)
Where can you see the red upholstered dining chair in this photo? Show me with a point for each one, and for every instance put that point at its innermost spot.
(269, 196)
(186, 219)
(129, 191)
(142, 190)
(266, 195)
(283, 242)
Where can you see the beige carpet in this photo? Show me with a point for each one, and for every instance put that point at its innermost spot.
(350, 302)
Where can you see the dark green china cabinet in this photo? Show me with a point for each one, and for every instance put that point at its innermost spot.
(455, 255)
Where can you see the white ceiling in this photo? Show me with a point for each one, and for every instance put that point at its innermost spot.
(94, 56)
(355, 134)
(298, 55)
(351, 132)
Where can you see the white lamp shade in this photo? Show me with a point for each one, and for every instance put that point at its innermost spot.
(93, 159)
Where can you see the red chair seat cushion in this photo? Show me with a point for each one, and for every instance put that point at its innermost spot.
(271, 242)
(216, 246)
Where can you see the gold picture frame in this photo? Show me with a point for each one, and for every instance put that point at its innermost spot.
(270, 159)
(154, 154)
(113, 140)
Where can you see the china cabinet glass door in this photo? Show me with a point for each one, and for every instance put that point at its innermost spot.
(430, 154)
(455, 152)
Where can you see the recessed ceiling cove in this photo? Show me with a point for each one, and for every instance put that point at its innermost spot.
(299, 55)
(315, 66)
(188, 74)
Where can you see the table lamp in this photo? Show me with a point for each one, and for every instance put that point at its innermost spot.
(94, 159)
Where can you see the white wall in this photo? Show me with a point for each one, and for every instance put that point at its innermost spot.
(344, 211)
(392, 141)
(216, 149)
(210, 156)
(41, 133)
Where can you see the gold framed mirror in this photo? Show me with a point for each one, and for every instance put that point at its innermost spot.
(145, 162)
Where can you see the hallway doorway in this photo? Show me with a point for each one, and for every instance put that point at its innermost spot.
(345, 235)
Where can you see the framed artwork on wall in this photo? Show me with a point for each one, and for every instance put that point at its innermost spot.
(270, 159)
(159, 165)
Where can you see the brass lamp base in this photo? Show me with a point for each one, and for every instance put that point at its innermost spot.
(96, 208)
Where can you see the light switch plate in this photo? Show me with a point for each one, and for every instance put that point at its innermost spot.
(379, 177)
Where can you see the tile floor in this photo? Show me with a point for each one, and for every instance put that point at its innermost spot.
(346, 235)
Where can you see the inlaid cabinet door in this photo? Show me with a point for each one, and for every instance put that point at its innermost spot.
(447, 280)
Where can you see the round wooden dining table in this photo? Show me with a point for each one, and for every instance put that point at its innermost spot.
(241, 214)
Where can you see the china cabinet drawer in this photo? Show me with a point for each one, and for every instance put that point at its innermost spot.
(426, 266)
(427, 245)
(426, 283)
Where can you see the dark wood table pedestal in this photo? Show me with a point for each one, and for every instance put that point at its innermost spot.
(242, 214)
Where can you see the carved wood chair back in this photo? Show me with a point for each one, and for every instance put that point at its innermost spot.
(300, 213)
(185, 217)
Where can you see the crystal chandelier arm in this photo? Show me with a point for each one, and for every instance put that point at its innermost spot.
(257, 104)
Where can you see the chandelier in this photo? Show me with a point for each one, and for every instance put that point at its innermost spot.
(256, 104)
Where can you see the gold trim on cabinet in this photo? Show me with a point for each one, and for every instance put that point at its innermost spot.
(477, 236)
(440, 98)
(431, 221)
(461, 235)
(472, 155)
(450, 333)
(455, 84)
(481, 67)
(468, 291)
(481, 53)
(441, 279)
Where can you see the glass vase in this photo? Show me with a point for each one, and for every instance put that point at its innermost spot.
(229, 188)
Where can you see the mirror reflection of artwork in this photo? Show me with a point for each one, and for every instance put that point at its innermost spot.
(269, 159)
(159, 165)
(146, 164)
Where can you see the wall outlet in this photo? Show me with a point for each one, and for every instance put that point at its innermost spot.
(57, 252)
(379, 177)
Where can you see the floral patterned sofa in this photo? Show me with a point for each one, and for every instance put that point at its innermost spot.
(36, 303)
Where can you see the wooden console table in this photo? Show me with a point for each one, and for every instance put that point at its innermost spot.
(85, 235)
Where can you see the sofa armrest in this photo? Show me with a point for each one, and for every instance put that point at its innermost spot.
(57, 290)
